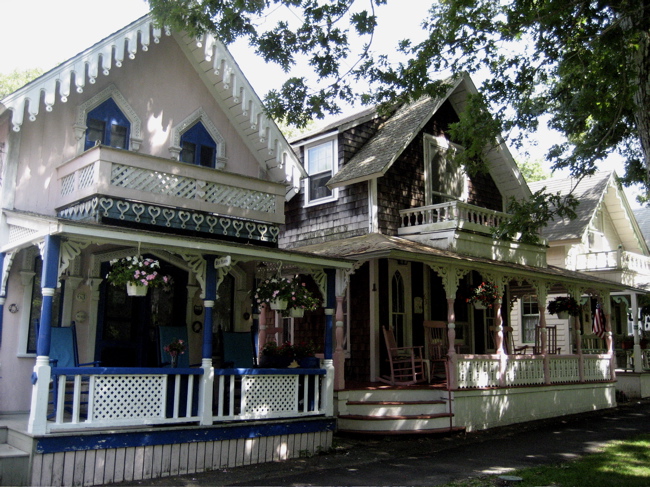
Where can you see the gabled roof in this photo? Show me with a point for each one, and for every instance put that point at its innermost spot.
(603, 188)
(642, 216)
(208, 56)
(376, 157)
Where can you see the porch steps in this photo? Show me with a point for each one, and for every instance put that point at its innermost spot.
(14, 463)
(394, 411)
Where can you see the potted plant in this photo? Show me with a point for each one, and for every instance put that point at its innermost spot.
(563, 307)
(275, 291)
(174, 349)
(276, 356)
(138, 274)
(484, 295)
(305, 353)
(301, 299)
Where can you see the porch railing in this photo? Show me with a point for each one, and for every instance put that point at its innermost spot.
(118, 397)
(481, 371)
(451, 214)
(613, 259)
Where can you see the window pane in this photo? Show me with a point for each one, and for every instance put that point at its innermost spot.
(118, 136)
(320, 159)
(207, 156)
(317, 188)
(188, 152)
(95, 132)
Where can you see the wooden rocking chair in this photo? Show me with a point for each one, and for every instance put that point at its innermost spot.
(406, 363)
(551, 341)
(437, 340)
(509, 343)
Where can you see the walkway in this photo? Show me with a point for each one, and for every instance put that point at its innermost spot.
(435, 461)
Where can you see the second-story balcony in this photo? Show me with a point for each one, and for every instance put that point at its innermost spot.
(618, 265)
(122, 186)
(467, 229)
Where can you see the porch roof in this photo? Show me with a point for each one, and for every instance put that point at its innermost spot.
(38, 226)
(374, 246)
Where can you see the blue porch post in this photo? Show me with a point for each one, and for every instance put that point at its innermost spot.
(3, 296)
(328, 363)
(205, 392)
(42, 372)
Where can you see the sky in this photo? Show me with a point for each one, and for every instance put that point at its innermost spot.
(43, 33)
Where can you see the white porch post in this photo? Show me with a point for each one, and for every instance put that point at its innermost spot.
(638, 358)
(42, 372)
(607, 307)
(453, 358)
(339, 356)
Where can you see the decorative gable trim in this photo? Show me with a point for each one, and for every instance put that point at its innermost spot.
(179, 130)
(80, 126)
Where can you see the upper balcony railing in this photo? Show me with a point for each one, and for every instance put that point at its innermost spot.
(452, 214)
(613, 260)
(129, 176)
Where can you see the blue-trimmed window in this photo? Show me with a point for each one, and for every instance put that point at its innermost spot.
(107, 125)
(198, 147)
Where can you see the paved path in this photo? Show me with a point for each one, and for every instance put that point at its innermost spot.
(435, 461)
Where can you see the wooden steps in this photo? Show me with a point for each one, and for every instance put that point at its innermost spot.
(14, 463)
(394, 411)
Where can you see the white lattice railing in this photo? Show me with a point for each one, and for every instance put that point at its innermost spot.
(613, 259)
(123, 174)
(454, 213)
(119, 397)
(481, 371)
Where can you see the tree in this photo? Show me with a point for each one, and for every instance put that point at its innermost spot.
(584, 63)
(10, 82)
(533, 170)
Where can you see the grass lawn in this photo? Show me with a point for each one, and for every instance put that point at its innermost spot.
(625, 463)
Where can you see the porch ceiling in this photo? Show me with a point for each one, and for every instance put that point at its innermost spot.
(107, 234)
(374, 246)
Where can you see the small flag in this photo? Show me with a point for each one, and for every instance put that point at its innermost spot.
(598, 327)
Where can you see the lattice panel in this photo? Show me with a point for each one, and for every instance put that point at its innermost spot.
(525, 372)
(268, 394)
(478, 373)
(597, 369)
(564, 370)
(117, 397)
(86, 176)
(17, 233)
(239, 198)
(67, 185)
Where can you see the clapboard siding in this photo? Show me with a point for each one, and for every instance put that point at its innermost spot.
(112, 465)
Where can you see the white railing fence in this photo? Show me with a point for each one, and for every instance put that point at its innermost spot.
(452, 211)
(117, 397)
(613, 259)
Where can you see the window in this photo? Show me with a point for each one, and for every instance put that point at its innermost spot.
(35, 308)
(445, 179)
(319, 163)
(398, 309)
(107, 125)
(529, 318)
(198, 147)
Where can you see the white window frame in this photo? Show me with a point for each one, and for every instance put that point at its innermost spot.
(333, 140)
(528, 300)
(440, 145)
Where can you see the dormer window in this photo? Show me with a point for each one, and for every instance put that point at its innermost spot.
(445, 178)
(107, 125)
(198, 147)
(320, 165)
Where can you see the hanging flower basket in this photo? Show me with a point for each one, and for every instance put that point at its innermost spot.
(279, 304)
(135, 290)
(563, 315)
(563, 304)
(297, 312)
(137, 272)
(484, 295)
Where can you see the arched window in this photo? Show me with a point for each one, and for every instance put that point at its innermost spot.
(198, 147)
(107, 125)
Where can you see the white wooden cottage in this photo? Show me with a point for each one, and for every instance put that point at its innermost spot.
(384, 191)
(148, 143)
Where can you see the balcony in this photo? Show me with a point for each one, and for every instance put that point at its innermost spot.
(107, 183)
(618, 265)
(466, 229)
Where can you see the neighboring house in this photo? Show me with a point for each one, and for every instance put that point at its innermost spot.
(383, 190)
(148, 143)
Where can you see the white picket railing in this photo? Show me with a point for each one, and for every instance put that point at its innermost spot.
(456, 212)
(118, 397)
(482, 371)
(613, 259)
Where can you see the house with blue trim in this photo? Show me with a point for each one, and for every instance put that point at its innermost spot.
(149, 144)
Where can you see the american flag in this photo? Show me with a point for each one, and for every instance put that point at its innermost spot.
(598, 326)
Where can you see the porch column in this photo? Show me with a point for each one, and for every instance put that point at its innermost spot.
(607, 308)
(328, 363)
(3, 296)
(542, 288)
(452, 379)
(638, 358)
(207, 379)
(339, 356)
(42, 371)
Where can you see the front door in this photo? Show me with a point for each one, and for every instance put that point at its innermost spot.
(400, 302)
(126, 328)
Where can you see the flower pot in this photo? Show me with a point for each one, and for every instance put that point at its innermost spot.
(135, 290)
(174, 361)
(563, 315)
(309, 363)
(279, 304)
(274, 362)
(297, 312)
(478, 305)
